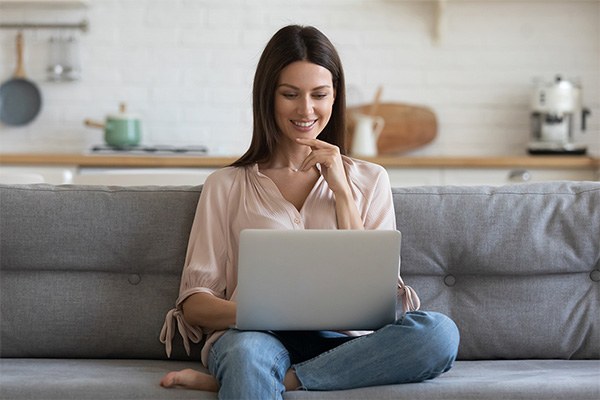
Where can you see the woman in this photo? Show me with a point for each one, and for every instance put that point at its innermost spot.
(294, 176)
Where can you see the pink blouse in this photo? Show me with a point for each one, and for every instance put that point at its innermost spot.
(236, 198)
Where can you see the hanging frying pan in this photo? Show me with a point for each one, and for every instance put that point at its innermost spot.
(20, 99)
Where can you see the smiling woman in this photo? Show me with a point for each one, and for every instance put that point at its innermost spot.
(290, 45)
(304, 100)
(295, 175)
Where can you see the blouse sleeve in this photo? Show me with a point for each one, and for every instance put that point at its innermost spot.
(205, 262)
(380, 207)
(381, 215)
(206, 258)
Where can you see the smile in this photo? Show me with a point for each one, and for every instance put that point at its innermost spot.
(304, 124)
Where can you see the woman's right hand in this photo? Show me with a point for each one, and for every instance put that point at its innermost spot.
(332, 168)
(208, 311)
(334, 173)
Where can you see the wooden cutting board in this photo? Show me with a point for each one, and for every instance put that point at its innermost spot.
(407, 127)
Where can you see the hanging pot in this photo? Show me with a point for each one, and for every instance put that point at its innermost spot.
(120, 130)
(20, 98)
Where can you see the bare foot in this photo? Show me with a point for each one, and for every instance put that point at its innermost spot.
(290, 381)
(190, 379)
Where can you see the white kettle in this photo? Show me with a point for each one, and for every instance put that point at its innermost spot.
(366, 132)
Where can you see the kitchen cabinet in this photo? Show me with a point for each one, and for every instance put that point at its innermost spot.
(55, 175)
(497, 176)
(403, 171)
(398, 176)
(141, 176)
(414, 176)
(196, 176)
(483, 176)
(406, 171)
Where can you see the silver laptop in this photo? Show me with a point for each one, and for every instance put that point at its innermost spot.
(317, 279)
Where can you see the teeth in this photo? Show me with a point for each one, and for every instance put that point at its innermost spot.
(304, 124)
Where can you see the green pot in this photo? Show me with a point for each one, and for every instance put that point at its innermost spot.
(120, 130)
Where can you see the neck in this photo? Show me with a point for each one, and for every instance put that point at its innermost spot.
(288, 158)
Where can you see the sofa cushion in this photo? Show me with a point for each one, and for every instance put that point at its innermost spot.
(91, 271)
(138, 379)
(96, 228)
(71, 379)
(515, 266)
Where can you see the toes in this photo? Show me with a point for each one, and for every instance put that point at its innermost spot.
(189, 379)
(168, 381)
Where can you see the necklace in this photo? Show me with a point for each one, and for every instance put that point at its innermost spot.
(315, 167)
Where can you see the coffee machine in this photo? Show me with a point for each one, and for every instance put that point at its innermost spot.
(557, 118)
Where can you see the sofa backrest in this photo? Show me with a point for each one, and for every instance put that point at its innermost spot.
(517, 267)
(91, 271)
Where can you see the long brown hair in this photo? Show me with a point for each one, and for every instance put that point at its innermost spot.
(290, 44)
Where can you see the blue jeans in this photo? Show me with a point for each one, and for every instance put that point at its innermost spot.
(250, 364)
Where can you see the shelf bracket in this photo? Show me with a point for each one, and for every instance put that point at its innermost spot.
(440, 21)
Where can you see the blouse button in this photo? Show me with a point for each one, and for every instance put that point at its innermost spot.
(297, 220)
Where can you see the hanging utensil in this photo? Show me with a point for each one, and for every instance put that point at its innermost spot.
(63, 61)
(20, 99)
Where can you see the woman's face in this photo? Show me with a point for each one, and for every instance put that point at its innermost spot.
(304, 100)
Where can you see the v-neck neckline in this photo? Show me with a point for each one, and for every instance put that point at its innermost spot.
(275, 188)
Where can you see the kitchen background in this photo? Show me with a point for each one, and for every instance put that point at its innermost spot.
(186, 66)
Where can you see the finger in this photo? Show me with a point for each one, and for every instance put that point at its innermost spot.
(308, 162)
(311, 160)
(325, 157)
(314, 143)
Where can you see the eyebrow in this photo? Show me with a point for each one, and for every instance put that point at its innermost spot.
(297, 88)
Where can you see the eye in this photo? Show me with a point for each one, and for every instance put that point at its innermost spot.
(319, 96)
(289, 95)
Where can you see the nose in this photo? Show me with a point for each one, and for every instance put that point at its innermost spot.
(305, 105)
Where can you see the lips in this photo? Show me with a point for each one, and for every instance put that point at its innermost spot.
(304, 124)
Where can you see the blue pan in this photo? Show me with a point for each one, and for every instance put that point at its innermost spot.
(20, 99)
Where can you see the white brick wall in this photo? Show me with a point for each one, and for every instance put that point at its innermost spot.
(187, 66)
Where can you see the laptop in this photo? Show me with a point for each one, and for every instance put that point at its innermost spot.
(317, 279)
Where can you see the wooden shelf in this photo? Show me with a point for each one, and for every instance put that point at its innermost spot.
(439, 24)
(562, 162)
(45, 4)
(167, 161)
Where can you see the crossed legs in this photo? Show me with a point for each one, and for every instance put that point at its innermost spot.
(419, 346)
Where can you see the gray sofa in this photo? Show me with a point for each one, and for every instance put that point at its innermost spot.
(87, 274)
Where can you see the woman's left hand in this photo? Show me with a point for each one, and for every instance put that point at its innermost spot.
(330, 159)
